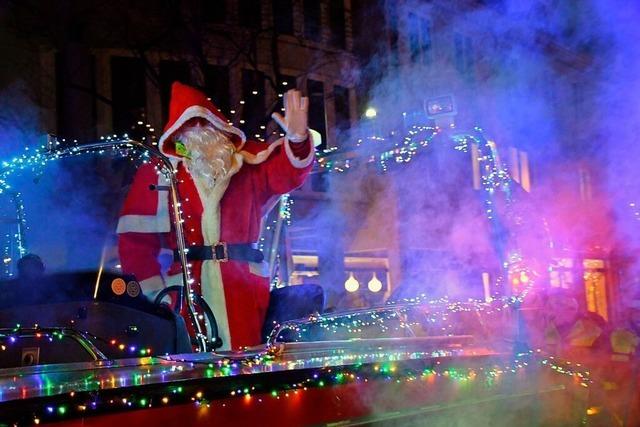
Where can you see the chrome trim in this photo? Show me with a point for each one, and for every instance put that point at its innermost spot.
(80, 337)
(129, 143)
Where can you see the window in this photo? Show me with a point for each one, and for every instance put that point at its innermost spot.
(463, 50)
(586, 192)
(341, 102)
(75, 88)
(171, 71)
(284, 83)
(519, 168)
(561, 273)
(283, 16)
(595, 286)
(217, 86)
(253, 113)
(317, 120)
(475, 166)
(392, 22)
(577, 95)
(320, 182)
(127, 93)
(419, 39)
(312, 20)
(337, 23)
(214, 11)
(249, 13)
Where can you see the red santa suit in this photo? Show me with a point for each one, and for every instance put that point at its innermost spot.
(230, 212)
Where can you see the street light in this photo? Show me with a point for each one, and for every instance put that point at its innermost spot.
(370, 113)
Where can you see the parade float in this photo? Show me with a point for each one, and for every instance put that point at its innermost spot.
(80, 345)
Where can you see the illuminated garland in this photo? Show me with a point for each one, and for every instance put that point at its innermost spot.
(416, 139)
(7, 340)
(385, 320)
(493, 175)
(395, 370)
(35, 160)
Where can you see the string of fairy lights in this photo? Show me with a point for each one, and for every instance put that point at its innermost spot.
(408, 319)
(335, 371)
(434, 368)
(398, 149)
(418, 138)
(145, 131)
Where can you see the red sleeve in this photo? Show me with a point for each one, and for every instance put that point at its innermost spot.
(288, 166)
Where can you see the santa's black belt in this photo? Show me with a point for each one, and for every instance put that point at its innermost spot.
(222, 252)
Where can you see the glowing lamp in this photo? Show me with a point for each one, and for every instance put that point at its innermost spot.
(370, 113)
(351, 284)
(374, 285)
(594, 410)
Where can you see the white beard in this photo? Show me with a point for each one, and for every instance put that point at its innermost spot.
(211, 153)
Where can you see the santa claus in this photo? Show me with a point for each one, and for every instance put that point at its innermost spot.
(225, 184)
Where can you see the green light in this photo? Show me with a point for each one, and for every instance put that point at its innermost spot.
(143, 402)
(274, 393)
(321, 383)
(62, 410)
(245, 391)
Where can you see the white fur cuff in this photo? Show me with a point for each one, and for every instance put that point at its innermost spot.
(297, 138)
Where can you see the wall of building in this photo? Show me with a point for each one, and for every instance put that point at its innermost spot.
(158, 42)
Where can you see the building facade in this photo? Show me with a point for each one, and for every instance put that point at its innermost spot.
(524, 75)
(97, 72)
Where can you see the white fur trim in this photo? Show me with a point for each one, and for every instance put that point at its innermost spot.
(198, 111)
(143, 224)
(294, 137)
(158, 223)
(174, 279)
(213, 294)
(152, 285)
(163, 202)
(296, 162)
(211, 276)
(256, 159)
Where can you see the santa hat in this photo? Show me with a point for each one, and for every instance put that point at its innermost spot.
(189, 103)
